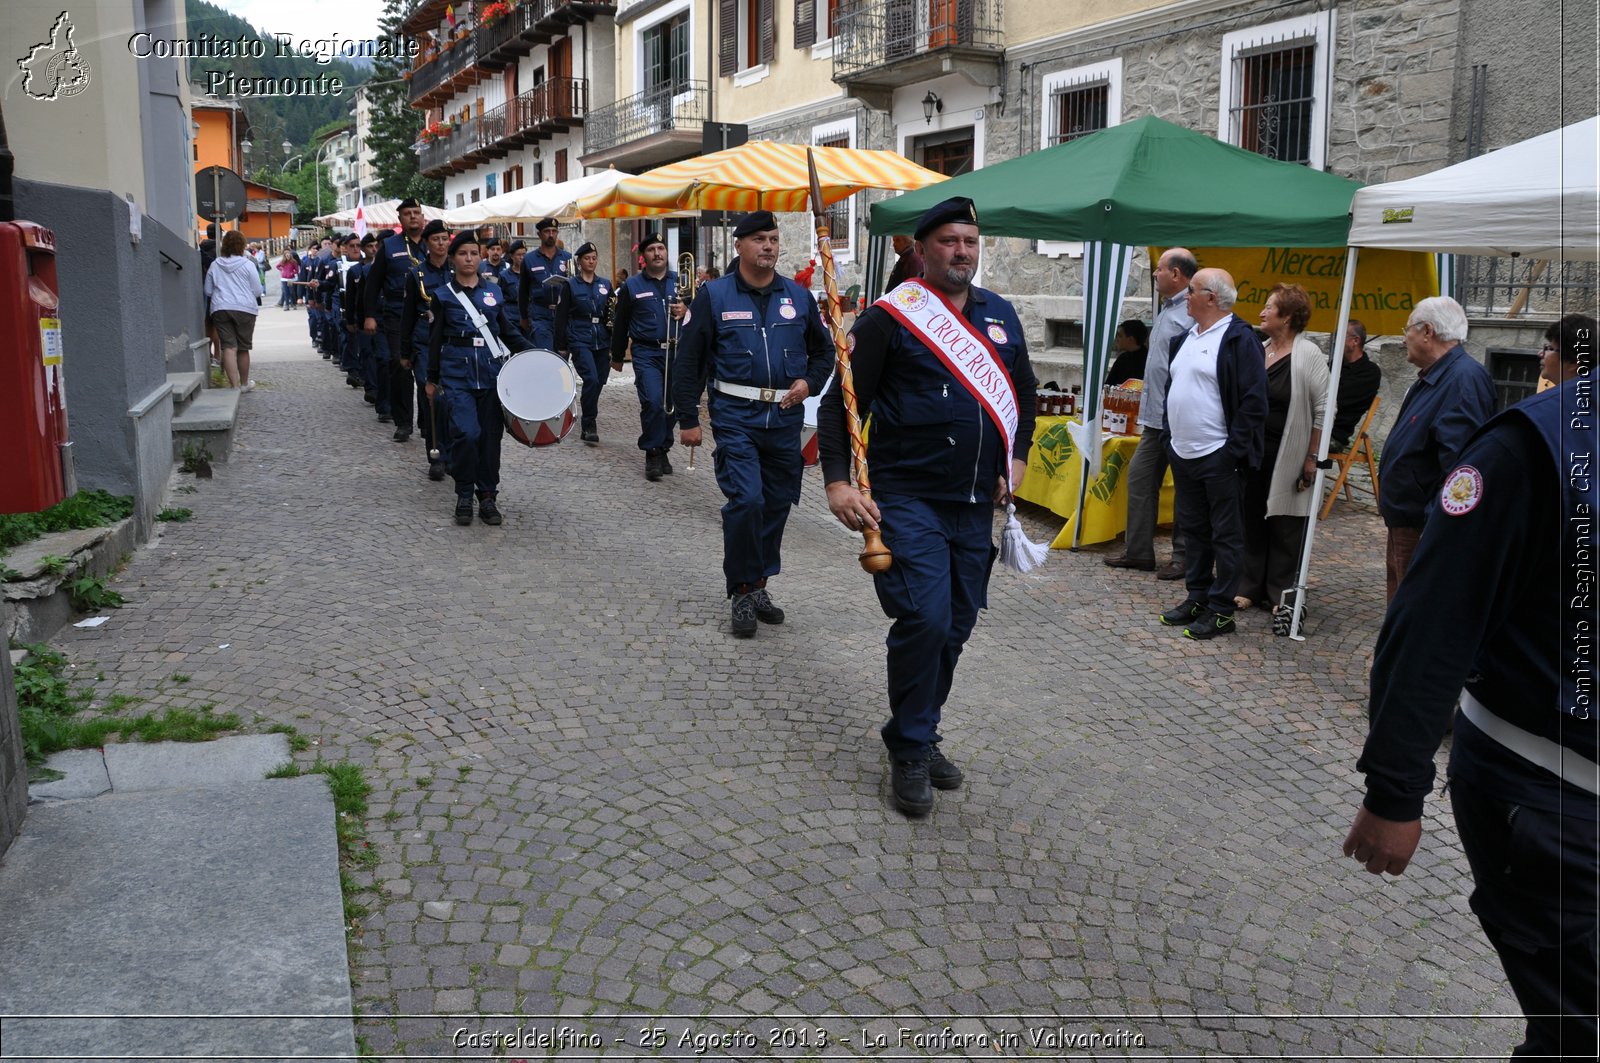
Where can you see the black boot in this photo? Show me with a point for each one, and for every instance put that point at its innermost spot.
(744, 614)
(652, 465)
(488, 512)
(589, 434)
(666, 462)
(766, 611)
(436, 469)
(942, 773)
(463, 510)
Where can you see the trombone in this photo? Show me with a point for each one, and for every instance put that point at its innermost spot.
(684, 295)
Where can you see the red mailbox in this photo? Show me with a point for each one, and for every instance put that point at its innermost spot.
(37, 470)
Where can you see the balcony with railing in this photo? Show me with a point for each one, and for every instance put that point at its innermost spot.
(882, 45)
(539, 114)
(440, 73)
(647, 128)
(531, 23)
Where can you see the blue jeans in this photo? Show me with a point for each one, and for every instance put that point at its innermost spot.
(475, 430)
(759, 472)
(594, 366)
(649, 369)
(943, 554)
(1210, 490)
(285, 294)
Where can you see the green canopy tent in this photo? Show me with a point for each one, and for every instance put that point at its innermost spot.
(1142, 183)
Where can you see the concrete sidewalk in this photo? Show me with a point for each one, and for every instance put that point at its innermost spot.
(167, 900)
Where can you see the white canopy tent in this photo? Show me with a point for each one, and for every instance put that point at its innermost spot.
(1540, 198)
(383, 214)
(547, 199)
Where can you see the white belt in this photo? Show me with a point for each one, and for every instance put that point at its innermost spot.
(745, 391)
(1577, 769)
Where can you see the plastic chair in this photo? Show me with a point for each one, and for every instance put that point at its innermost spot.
(1359, 450)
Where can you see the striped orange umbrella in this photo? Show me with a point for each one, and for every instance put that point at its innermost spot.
(760, 175)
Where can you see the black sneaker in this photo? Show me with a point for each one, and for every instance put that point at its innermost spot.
(666, 463)
(766, 612)
(464, 510)
(436, 470)
(488, 512)
(402, 435)
(652, 465)
(384, 418)
(1181, 615)
(913, 793)
(590, 436)
(369, 397)
(942, 773)
(744, 615)
(353, 380)
(1209, 626)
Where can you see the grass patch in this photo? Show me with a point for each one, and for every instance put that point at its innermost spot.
(175, 515)
(54, 715)
(348, 784)
(196, 458)
(298, 743)
(86, 509)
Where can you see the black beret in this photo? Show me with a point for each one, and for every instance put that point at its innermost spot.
(434, 227)
(370, 238)
(651, 238)
(956, 208)
(493, 241)
(548, 223)
(464, 237)
(757, 221)
(350, 238)
(408, 202)
(584, 250)
(516, 245)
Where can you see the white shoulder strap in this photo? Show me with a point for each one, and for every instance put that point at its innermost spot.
(481, 323)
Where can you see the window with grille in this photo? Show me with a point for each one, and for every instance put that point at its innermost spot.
(1078, 112)
(666, 53)
(838, 213)
(1274, 99)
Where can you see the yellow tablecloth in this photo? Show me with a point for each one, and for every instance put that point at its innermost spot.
(1054, 470)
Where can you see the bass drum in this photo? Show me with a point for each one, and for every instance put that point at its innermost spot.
(538, 393)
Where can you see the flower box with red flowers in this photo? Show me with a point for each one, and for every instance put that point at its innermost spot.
(494, 13)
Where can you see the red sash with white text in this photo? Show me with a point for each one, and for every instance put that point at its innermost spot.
(968, 355)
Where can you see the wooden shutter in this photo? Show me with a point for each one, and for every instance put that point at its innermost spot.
(805, 23)
(561, 165)
(767, 12)
(727, 37)
(561, 58)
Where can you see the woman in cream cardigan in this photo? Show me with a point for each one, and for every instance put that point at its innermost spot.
(1277, 497)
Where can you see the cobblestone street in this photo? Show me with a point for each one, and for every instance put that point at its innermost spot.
(590, 801)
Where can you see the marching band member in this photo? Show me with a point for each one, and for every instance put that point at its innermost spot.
(944, 422)
(416, 319)
(355, 301)
(643, 303)
(542, 268)
(345, 344)
(391, 271)
(466, 344)
(497, 268)
(760, 339)
(580, 304)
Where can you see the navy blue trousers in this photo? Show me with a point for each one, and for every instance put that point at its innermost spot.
(402, 385)
(1210, 491)
(377, 369)
(1535, 894)
(542, 329)
(759, 472)
(475, 427)
(594, 366)
(943, 554)
(649, 370)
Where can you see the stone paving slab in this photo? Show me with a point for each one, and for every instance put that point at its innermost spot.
(223, 764)
(83, 775)
(590, 801)
(176, 903)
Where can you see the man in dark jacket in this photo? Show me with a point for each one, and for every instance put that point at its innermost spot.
(1216, 419)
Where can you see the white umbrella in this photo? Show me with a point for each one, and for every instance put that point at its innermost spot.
(384, 215)
(547, 199)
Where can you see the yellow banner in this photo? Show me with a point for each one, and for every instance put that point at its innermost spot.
(1388, 283)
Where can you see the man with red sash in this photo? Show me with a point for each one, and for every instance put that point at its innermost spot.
(942, 368)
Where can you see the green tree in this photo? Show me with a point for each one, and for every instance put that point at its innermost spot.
(395, 124)
(300, 183)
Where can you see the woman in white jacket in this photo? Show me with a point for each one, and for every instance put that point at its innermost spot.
(235, 289)
(1277, 498)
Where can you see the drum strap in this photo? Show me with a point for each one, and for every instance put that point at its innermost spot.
(497, 349)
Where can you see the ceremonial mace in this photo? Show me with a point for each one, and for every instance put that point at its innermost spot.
(875, 556)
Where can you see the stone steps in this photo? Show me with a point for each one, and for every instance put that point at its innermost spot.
(207, 420)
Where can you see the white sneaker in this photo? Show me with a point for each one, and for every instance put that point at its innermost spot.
(249, 385)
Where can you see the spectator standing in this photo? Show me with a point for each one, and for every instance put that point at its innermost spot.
(1277, 496)
(234, 287)
(288, 270)
(908, 265)
(1451, 397)
(1148, 469)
